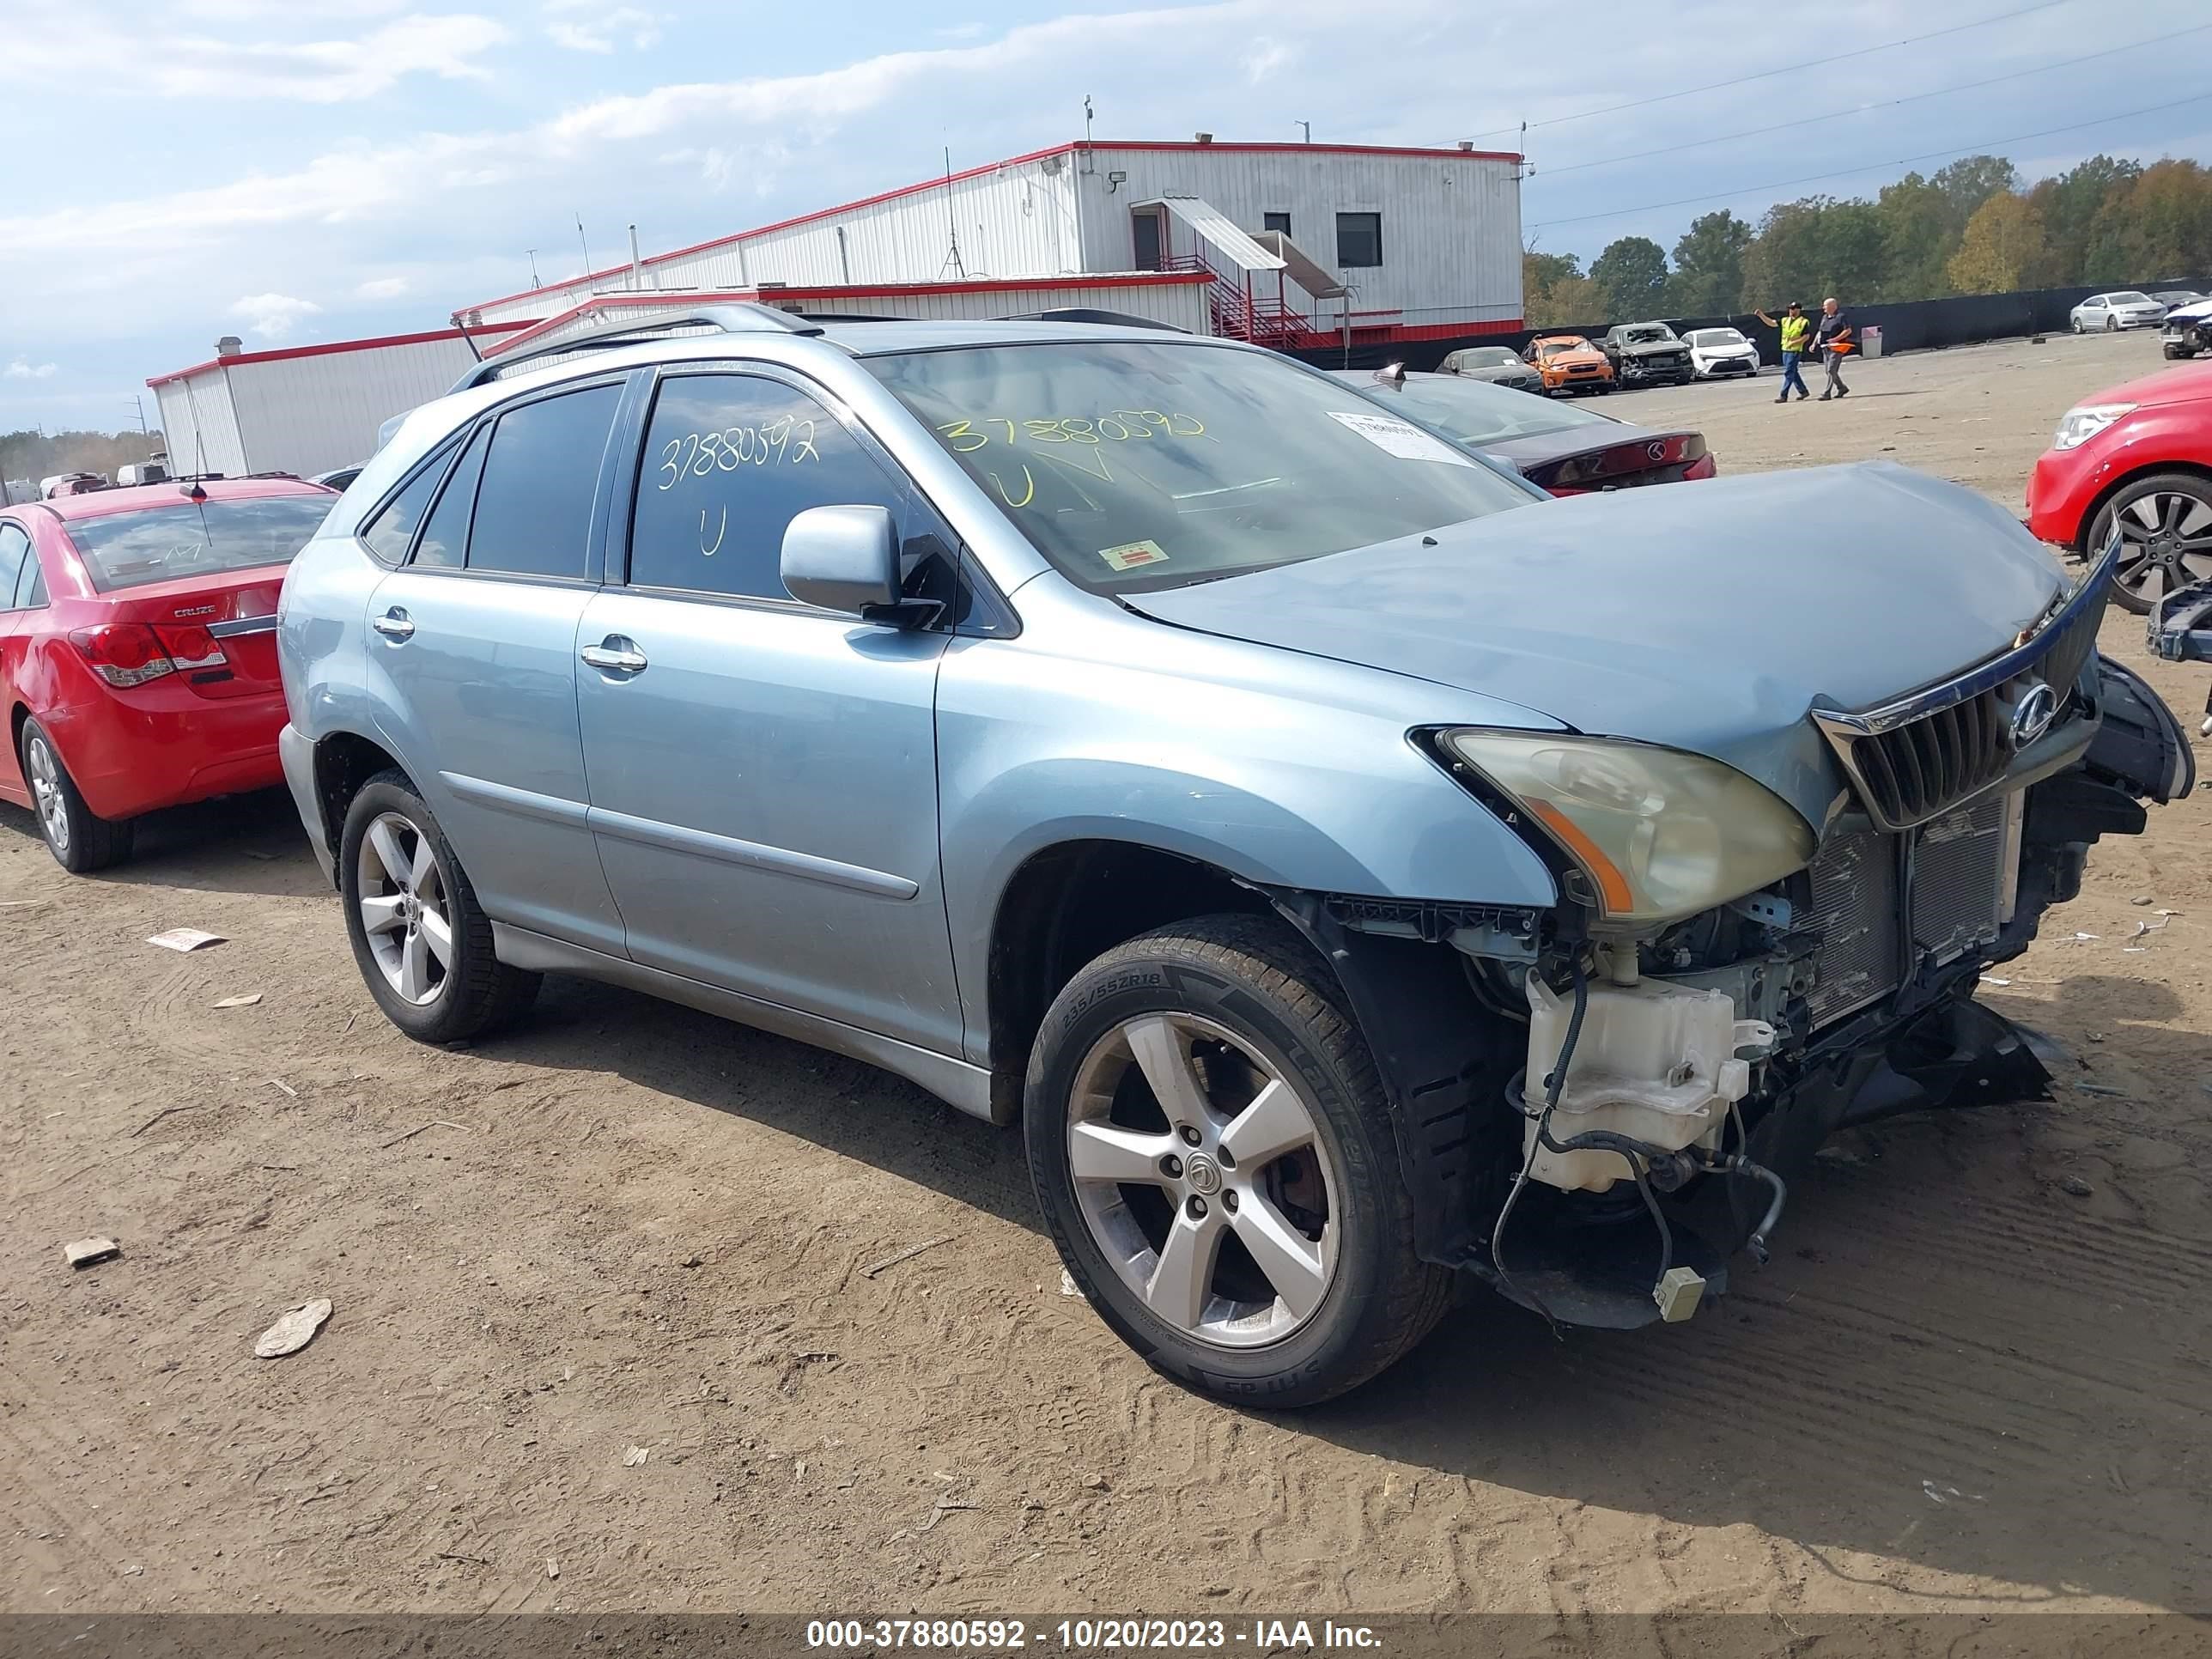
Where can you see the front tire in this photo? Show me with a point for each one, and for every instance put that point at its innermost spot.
(421, 941)
(2166, 526)
(1212, 1151)
(81, 840)
(2112, 325)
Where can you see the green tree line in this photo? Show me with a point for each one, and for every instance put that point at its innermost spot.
(1971, 228)
(35, 455)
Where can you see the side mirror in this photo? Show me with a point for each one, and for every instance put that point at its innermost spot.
(844, 559)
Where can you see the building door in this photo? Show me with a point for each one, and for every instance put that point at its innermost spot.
(1148, 237)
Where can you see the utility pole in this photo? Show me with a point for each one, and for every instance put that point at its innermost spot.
(138, 403)
(1308, 125)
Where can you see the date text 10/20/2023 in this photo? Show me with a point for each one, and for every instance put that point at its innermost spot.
(1091, 1635)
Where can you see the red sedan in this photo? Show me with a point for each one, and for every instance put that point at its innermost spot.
(138, 650)
(2138, 456)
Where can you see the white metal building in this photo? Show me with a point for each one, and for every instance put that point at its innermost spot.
(1304, 242)
(304, 409)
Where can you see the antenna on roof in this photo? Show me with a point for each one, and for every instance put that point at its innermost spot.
(951, 224)
(586, 247)
(531, 253)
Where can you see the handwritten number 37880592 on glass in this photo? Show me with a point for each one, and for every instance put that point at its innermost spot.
(787, 441)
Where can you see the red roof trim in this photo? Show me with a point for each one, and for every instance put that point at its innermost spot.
(992, 166)
(667, 297)
(332, 347)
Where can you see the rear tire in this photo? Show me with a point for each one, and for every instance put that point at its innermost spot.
(423, 942)
(81, 840)
(1298, 1280)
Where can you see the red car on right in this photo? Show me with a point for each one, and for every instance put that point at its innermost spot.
(2138, 456)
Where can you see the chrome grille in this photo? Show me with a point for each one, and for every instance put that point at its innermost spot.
(1917, 758)
(1918, 769)
(1956, 867)
(1854, 912)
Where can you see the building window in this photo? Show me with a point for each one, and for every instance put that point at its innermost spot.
(1279, 222)
(1358, 240)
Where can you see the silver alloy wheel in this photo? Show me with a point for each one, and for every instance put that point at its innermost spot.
(46, 792)
(405, 910)
(1239, 1152)
(2165, 542)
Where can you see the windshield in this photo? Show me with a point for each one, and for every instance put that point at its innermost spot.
(1477, 414)
(1137, 465)
(160, 543)
(1650, 335)
(1554, 348)
(1487, 357)
(2130, 298)
(1717, 336)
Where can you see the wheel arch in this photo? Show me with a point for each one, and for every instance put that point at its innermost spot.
(2097, 503)
(344, 761)
(1443, 1055)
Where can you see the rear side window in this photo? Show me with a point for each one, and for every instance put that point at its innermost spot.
(15, 553)
(730, 460)
(31, 585)
(447, 531)
(391, 531)
(533, 509)
(196, 538)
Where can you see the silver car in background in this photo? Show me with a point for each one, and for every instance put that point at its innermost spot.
(1497, 365)
(1349, 867)
(2108, 314)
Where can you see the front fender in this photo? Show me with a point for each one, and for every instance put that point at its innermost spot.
(1318, 790)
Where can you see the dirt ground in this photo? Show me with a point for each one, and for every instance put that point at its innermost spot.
(1974, 1378)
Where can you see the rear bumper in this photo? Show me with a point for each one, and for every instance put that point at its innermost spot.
(297, 754)
(162, 746)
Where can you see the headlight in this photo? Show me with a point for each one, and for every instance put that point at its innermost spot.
(1662, 835)
(2077, 426)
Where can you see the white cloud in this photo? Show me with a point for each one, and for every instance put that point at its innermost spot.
(273, 316)
(21, 370)
(1265, 58)
(92, 50)
(599, 32)
(382, 287)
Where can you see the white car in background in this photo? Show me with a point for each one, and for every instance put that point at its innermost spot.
(1716, 352)
(2110, 313)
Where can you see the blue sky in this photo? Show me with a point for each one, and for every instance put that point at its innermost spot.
(295, 172)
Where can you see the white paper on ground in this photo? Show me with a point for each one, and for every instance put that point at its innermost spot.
(185, 938)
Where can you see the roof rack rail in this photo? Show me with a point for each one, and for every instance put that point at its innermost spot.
(739, 317)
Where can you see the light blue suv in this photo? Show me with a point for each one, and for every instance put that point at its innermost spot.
(1349, 867)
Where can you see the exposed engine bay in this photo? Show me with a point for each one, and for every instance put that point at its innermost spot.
(1668, 1081)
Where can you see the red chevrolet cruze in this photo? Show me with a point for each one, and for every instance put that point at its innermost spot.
(2138, 456)
(138, 650)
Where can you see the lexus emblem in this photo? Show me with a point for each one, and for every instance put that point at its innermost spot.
(2032, 713)
(1656, 450)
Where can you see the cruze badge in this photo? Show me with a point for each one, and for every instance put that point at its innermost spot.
(2033, 715)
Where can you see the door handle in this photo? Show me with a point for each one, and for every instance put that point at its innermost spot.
(614, 655)
(393, 624)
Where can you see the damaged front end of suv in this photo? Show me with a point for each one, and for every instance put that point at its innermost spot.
(1750, 952)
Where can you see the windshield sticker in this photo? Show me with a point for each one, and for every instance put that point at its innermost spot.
(1395, 437)
(1130, 556)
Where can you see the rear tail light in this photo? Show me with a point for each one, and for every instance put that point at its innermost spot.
(124, 654)
(1703, 467)
(132, 653)
(190, 647)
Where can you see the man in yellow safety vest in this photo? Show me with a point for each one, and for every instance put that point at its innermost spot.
(1797, 334)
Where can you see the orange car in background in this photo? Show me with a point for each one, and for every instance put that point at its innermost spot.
(1568, 362)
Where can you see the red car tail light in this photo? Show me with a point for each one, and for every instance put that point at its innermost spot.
(124, 654)
(1703, 467)
(190, 645)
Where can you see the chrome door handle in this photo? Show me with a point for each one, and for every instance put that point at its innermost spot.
(393, 624)
(614, 659)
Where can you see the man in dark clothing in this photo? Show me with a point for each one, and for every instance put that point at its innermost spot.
(1836, 339)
